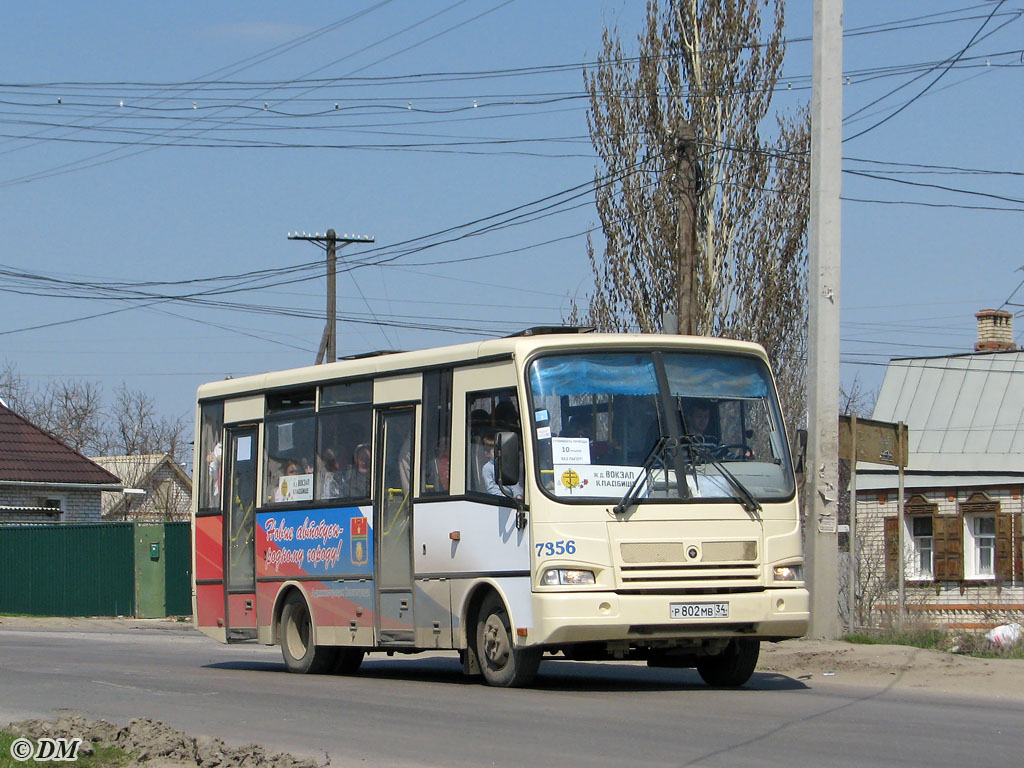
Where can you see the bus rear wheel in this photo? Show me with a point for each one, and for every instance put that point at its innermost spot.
(733, 666)
(502, 664)
(300, 654)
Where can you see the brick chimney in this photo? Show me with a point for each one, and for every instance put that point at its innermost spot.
(995, 331)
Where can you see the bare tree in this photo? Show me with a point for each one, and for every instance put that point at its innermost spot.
(137, 428)
(73, 411)
(679, 133)
(856, 399)
(13, 389)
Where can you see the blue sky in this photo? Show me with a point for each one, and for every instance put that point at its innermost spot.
(172, 142)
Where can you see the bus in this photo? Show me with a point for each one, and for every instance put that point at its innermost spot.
(550, 495)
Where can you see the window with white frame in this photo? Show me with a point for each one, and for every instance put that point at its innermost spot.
(980, 546)
(922, 544)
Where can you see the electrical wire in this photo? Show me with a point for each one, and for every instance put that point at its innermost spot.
(953, 60)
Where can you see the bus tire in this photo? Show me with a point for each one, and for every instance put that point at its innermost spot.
(502, 664)
(300, 655)
(733, 666)
(349, 660)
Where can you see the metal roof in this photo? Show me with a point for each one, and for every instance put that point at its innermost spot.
(964, 413)
(30, 455)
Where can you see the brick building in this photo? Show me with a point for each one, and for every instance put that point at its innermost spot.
(44, 481)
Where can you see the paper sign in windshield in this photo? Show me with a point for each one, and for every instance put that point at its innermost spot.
(570, 450)
(596, 480)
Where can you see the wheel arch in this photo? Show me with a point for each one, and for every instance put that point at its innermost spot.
(504, 589)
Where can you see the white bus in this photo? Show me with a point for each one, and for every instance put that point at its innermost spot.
(549, 495)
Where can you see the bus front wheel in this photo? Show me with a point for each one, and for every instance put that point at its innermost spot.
(349, 660)
(502, 664)
(300, 654)
(733, 666)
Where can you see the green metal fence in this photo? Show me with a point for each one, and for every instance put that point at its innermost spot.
(96, 569)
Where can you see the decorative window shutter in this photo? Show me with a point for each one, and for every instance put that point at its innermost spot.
(892, 545)
(1004, 546)
(948, 535)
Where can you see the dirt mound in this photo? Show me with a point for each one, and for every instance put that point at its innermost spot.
(895, 666)
(157, 744)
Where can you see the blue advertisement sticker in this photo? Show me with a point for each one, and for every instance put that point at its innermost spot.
(318, 542)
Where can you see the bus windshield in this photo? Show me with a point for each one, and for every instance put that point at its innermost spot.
(602, 424)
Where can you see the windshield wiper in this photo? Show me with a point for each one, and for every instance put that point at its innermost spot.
(744, 496)
(645, 470)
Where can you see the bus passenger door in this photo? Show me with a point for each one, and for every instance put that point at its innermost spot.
(393, 525)
(240, 535)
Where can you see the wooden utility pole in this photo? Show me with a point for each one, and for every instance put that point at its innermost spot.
(822, 488)
(686, 229)
(328, 351)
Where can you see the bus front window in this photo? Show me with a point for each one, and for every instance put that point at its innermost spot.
(596, 417)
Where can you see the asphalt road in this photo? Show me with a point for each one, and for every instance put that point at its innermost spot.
(421, 711)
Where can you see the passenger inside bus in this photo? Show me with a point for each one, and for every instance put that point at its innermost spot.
(329, 478)
(356, 484)
(580, 425)
(291, 468)
(439, 470)
(479, 425)
(489, 470)
(697, 413)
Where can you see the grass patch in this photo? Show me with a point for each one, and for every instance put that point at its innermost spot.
(918, 638)
(966, 643)
(103, 757)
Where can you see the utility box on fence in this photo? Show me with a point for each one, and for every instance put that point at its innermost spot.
(150, 576)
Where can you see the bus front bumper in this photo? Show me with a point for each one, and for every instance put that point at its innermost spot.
(584, 617)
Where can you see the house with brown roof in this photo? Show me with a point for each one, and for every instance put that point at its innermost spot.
(156, 489)
(42, 480)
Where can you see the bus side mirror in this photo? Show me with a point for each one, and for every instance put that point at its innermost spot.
(801, 450)
(506, 458)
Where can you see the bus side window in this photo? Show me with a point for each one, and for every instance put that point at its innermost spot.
(289, 454)
(488, 413)
(344, 440)
(211, 449)
(343, 461)
(435, 434)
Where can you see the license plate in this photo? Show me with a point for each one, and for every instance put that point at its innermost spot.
(698, 610)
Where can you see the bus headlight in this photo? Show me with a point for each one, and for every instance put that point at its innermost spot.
(789, 573)
(554, 577)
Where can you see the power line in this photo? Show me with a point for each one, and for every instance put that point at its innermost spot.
(951, 62)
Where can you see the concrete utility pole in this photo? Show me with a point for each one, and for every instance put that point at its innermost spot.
(822, 487)
(329, 341)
